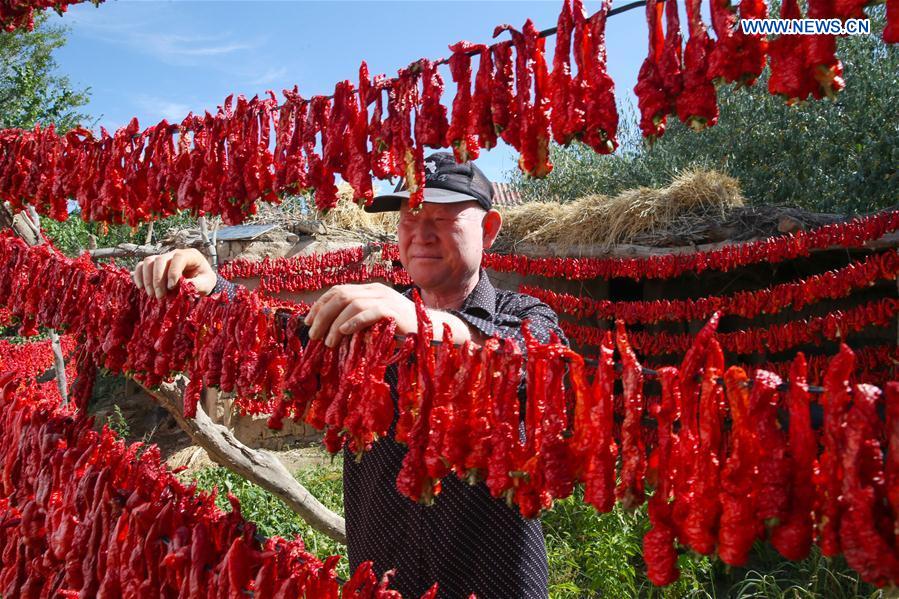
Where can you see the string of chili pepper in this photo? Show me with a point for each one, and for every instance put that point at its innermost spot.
(237, 345)
(773, 338)
(268, 266)
(104, 518)
(158, 363)
(19, 14)
(276, 283)
(299, 274)
(136, 175)
(876, 363)
(796, 295)
(229, 153)
(109, 332)
(853, 233)
(84, 458)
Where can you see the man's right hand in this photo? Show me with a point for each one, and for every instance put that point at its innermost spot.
(156, 275)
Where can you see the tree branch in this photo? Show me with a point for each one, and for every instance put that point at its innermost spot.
(127, 250)
(257, 466)
(59, 366)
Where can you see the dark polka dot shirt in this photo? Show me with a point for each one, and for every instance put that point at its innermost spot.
(467, 541)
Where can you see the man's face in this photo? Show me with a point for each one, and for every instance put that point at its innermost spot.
(441, 245)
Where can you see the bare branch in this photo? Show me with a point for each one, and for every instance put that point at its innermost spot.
(60, 366)
(127, 250)
(257, 466)
(34, 222)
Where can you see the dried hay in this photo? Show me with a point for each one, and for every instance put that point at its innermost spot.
(350, 216)
(525, 222)
(347, 219)
(692, 199)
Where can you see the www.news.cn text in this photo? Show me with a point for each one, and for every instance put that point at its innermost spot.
(805, 26)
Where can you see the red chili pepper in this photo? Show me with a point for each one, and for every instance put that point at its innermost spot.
(835, 401)
(462, 133)
(412, 480)
(502, 104)
(773, 474)
(866, 544)
(652, 98)
(407, 157)
(430, 121)
(739, 527)
(658, 543)
(790, 76)
(697, 105)
(600, 113)
(506, 442)
(481, 101)
(561, 81)
(630, 490)
(821, 50)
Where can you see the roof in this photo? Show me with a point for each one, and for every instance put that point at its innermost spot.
(505, 195)
(244, 232)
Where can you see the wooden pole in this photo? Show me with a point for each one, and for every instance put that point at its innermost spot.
(210, 247)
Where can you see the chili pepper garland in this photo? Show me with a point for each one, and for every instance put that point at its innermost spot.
(102, 518)
(796, 295)
(774, 338)
(19, 14)
(459, 419)
(850, 234)
(874, 363)
(222, 163)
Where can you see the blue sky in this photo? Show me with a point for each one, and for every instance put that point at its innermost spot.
(161, 59)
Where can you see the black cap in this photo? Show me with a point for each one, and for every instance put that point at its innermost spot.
(446, 182)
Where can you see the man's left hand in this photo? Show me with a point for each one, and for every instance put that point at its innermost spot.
(345, 309)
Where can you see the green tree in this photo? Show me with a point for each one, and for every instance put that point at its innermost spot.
(830, 156)
(31, 89)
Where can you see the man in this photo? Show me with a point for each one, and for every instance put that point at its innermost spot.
(467, 541)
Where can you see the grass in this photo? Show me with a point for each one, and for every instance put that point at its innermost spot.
(590, 554)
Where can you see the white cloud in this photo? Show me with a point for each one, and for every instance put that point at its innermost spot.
(176, 47)
(269, 76)
(147, 35)
(156, 109)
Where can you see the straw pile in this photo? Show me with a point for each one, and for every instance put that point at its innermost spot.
(350, 216)
(692, 200)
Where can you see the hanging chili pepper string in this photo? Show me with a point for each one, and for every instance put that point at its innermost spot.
(102, 517)
(854, 233)
(773, 338)
(797, 295)
(445, 61)
(457, 415)
(286, 274)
